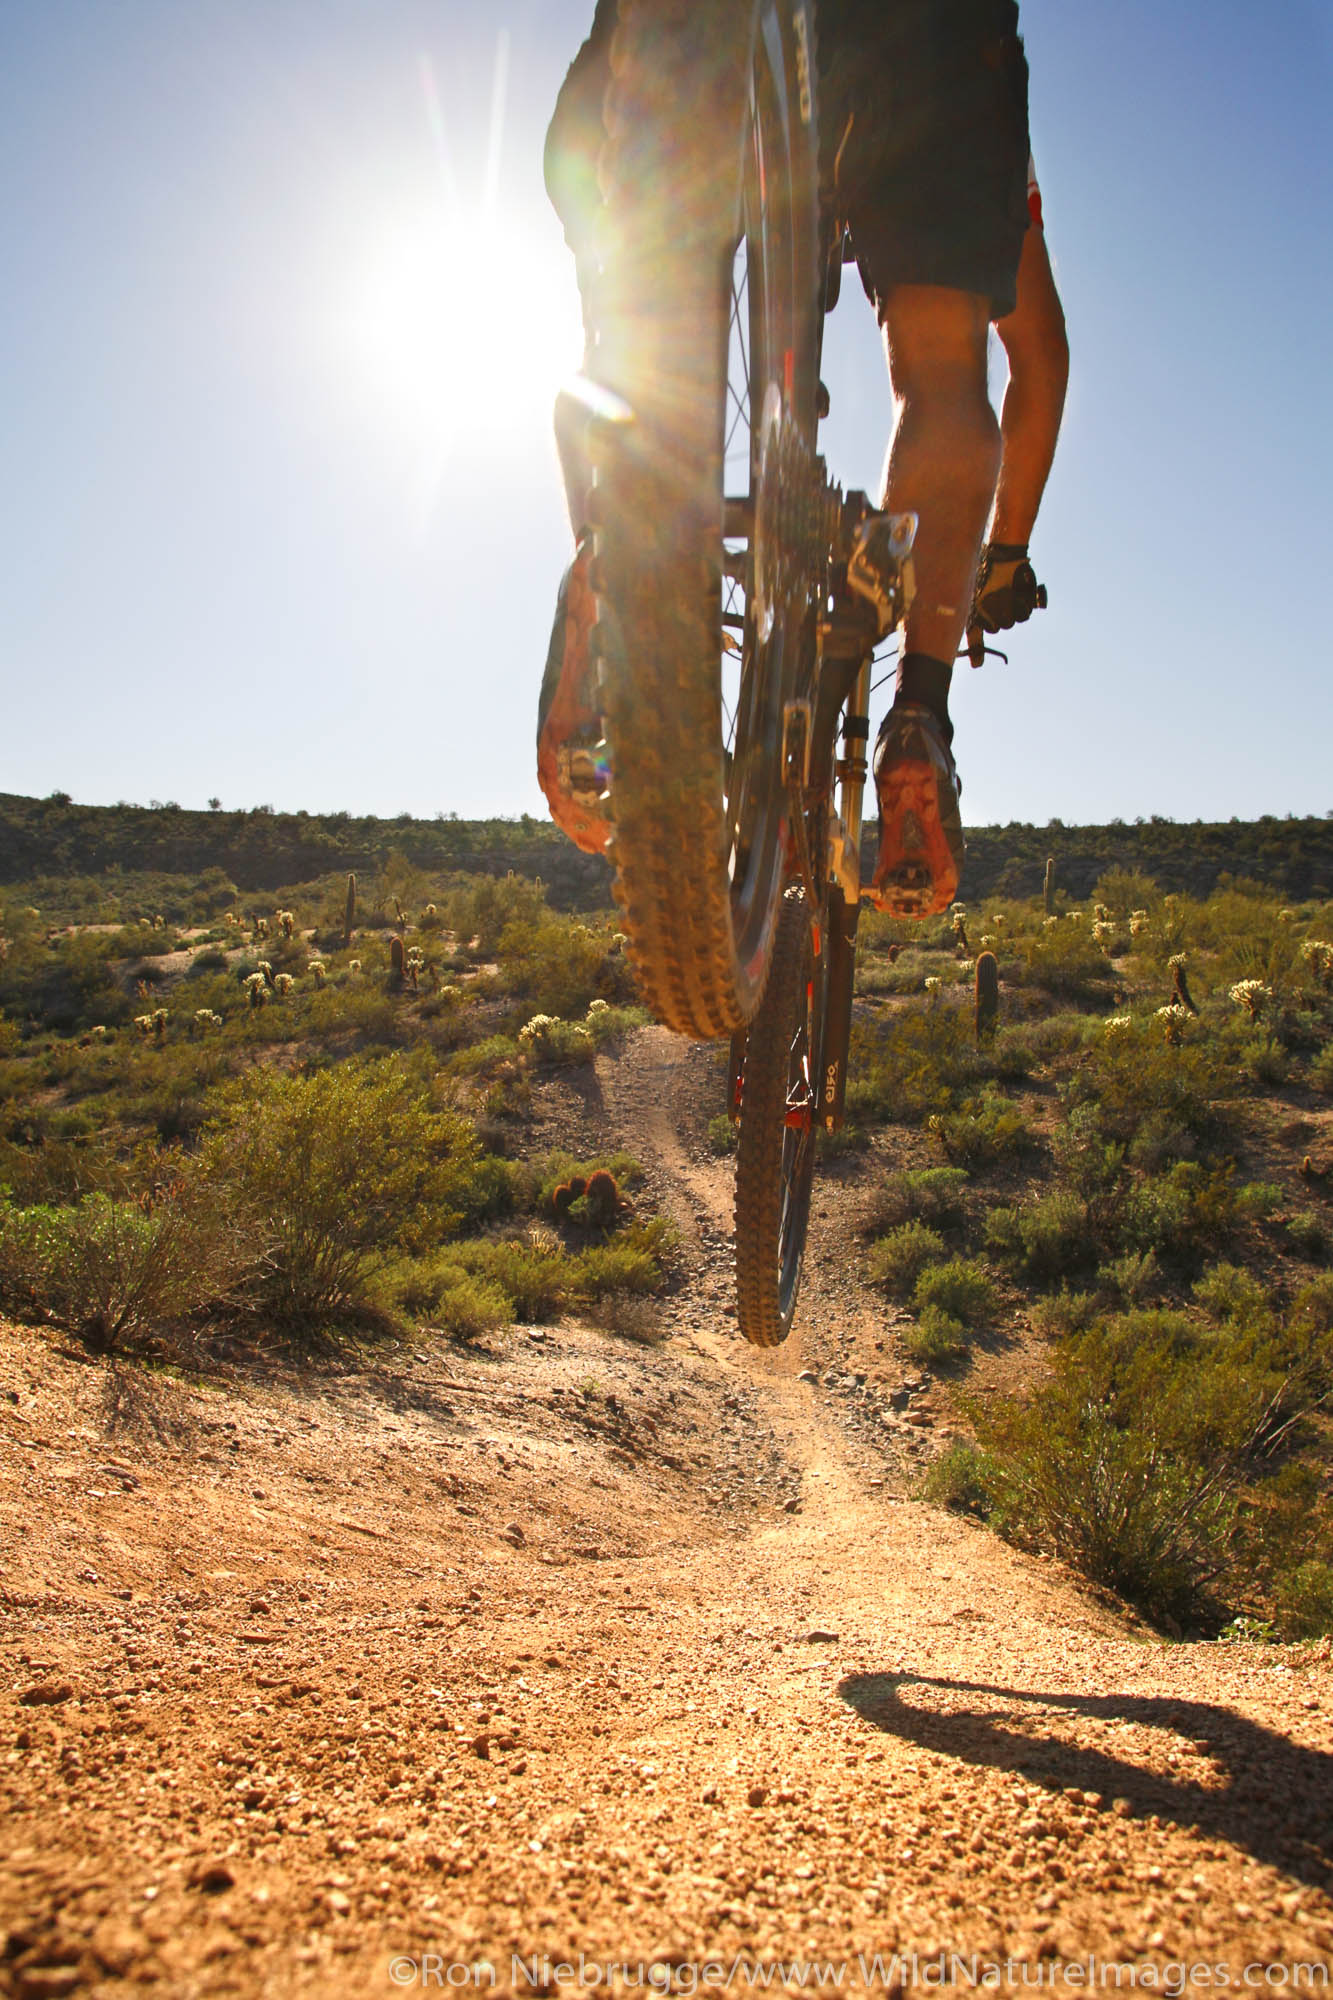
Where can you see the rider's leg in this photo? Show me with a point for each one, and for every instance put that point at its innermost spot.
(942, 462)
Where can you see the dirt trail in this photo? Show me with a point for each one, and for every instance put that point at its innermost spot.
(589, 1644)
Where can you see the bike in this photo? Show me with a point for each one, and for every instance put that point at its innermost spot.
(734, 658)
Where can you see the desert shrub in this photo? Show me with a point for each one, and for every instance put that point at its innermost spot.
(1128, 1462)
(616, 1267)
(629, 1316)
(897, 1260)
(960, 1287)
(331, 1168)
(935, 1337)
(980, 1131)
(1226, 1291)
(1066, 961)
(923, 1194)
(1321, 1069)
(722, 1133)
(1137, 1075)
(554, 1042)
(1044, 1238)
(1061, 1313)
(1133, 1277)
(1308, 1234)
(488, 1054)
(114, 1268)
(536, 1277)
(957, 1480)
(438, 1290)
(1312, 1308)
(911, 1064)
(1304, 1600)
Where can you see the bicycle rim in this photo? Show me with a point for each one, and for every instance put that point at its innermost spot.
(775, 1158)
(707, 325)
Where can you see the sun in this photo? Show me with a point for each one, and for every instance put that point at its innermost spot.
(463, 323)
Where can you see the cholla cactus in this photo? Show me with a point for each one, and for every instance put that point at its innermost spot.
(1173, 1019)
(1103, 931)
(533, 1032)
(1318, 955)
(159, 922)
(1074, 916)
(1100, 913)
(98, 1033)
(987, 998)
(998, 920)
(265, 971)
(1116, 1025)
(283, 984)
(354, 965)
(596, 1007)
(1179, 984)
(143, 1025)
(256, 988)
(205, 1018)
(287, 922)
(318, 971)
(988, 943)
(1050, 923)
(1286, 916)
(934, 984)
(1138, 922)
(1253, 995)
(230, 920)
(160, 1018)
(261, 927)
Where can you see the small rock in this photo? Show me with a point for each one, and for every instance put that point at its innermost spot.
(481, 1745)
(338, 1903)
(513, 1532)
(1123, 1808)
(213, 1877)
(756, 1795)
(792, 1506)
(817, 1636)
(536, 1334)
(709, 1796)
(807, 1375)
(259, 1608)
(45, 1694)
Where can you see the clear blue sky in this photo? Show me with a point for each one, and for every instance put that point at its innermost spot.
(283, 308)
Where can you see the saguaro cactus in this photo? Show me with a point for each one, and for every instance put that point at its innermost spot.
(349, 911)
(988, 996)
(397, 960)
(1048, 890)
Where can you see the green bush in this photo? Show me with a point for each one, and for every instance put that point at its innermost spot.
(924, 1194)
(332, 1168)
(1321, 1069)
(722, 1133)
(1308, 1234)
(981, 1131)
(936, 1337)
(1066, 961)
(896, 1260)
(910, 1064)
(1133, 1277)
(114, 1269)
(956, 1480)
(1304, 1600)
(1045, 1238)
(1128, 1462)
(960, 1287)
(1064, 1312)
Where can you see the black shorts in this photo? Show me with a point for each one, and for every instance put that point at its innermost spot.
(923, 114)
(924, 138)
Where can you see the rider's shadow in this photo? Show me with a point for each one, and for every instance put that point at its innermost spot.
(1262, 1792)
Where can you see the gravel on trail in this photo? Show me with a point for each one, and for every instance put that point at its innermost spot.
(448, 1666)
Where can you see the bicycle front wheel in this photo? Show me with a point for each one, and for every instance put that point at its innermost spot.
(775, 1157)
(706, 311)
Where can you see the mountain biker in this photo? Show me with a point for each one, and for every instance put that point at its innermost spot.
(925, 152)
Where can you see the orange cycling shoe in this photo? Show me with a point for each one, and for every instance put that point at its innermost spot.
(571, 766)
(921, 831)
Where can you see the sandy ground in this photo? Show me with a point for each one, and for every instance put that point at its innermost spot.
(445, 1671)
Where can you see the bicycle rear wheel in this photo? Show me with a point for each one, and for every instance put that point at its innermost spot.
(706, 310)
(775, 1157)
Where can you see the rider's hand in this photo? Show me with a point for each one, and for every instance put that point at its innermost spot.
(1007, 591)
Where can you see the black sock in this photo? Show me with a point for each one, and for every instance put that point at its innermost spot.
(924, 681)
